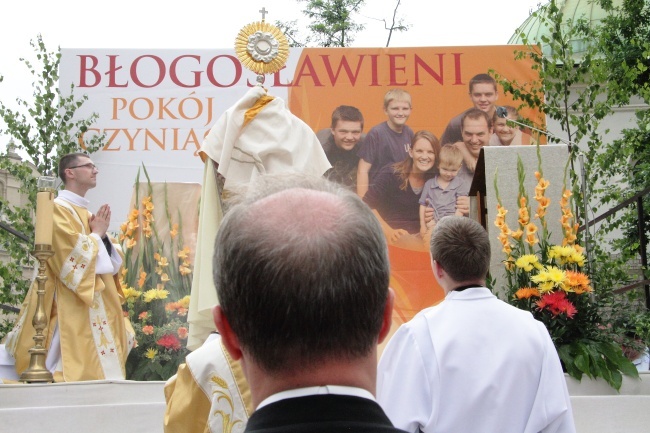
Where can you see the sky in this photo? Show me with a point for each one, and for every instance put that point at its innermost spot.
(203, 24)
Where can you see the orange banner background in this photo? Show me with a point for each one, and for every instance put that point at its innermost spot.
(437, 79)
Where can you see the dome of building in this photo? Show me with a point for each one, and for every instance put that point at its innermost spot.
(534, 28)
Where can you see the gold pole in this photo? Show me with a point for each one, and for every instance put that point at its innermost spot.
(37, 372)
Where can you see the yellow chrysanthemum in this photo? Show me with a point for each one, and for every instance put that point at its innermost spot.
(130, 243)
(185, 301)
(151, 353)
(552, 275)
(546, 287)
(184, 270)
(153, 294)
(527, 262)
(174, 231)
(131, 294)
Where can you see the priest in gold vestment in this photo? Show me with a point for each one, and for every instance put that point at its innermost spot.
(87, 336)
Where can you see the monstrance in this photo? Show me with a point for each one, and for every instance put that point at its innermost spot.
(262, 48)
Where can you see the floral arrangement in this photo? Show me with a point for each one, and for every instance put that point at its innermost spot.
(156, 282)
(548, 281)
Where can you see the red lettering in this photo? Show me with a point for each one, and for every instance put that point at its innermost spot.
(343, 65)
(307, 64)
(112, 69)
(211, 69)
(392, 60)
(375, 70)
(174, 76)
(420, 63)
(161, 71)
(84, 68)
(457, 75)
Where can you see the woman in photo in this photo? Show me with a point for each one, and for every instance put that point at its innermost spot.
(394, 195)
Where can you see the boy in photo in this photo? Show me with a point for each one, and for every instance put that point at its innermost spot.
(388, 142)
(440, 192)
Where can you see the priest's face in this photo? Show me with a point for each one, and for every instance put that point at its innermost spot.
(84, 173)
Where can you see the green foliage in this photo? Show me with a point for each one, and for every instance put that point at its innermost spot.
(585, 71)
(563, 67)
(596, 359)
(43, 129)
(332, 24)
(624, 42)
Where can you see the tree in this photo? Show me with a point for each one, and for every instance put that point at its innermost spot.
(623, 38)
(573, 90)
(332, 23)
(397, 24)
(43, 129)
(569, 89)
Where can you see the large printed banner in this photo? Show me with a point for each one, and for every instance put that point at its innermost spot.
(156, 106)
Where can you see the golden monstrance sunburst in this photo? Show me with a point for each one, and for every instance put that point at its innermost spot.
(262, 48)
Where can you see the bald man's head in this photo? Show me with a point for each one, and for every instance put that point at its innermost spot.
(301, 271)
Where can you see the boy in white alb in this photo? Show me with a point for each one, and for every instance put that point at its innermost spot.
(440, 192)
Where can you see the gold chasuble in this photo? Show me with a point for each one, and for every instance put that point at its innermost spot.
(83, 308)
(208, 394)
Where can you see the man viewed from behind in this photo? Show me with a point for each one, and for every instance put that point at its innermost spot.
(304, 301)
(472, 363)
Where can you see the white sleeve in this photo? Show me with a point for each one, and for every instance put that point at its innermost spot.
(403, 386)
(551, 411)
(116, 260)
(104, 263)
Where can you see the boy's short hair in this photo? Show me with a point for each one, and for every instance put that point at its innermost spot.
(346, 113)
(482, 79)
(450, 156)
(396, 95)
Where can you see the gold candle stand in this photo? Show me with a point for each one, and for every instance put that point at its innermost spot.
(37, 372)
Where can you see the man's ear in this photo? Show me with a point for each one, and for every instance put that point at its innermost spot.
(437, 269)
(228, 337)
(387, 319)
